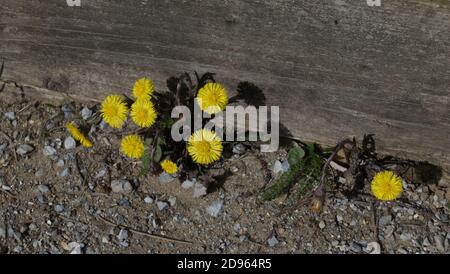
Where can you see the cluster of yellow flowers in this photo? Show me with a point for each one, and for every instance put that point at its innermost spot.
(204, 146)
(114, 110)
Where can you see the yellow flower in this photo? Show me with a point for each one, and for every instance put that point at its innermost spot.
(114, 111)
(205, 147)
(143, 113)
(133, 146)
(169, 166)
(78, 135)
(143, 89)
(386, 185)
(212, 98)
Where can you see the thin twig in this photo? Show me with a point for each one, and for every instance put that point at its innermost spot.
(153, 236)
(320, 190)
(44, 125)
(11, 144)
(255, 242)
(8, 192)
(375, 221)
(6, 137)
(25, 108)
(304, 200)
(77, 165)
(152, 154)
(2, 67)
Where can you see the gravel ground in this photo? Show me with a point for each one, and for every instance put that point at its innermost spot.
(56, 197)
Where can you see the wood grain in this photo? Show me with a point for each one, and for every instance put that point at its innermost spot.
(336, 68)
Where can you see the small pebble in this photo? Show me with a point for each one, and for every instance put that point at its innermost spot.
(355, 247)
(162, 205)
(277, 167)
(121, 186)
(199, 190)
(60, 163)
(49, 151)
(6, 188)
(68, 110)
(100, 174)
(322, 224)
(10, 115)
(123, 237)
(405, 237)
(39, 173)
(124, 202)
(439, 240)
(373, 248)
(172, 201)
(214, 209)
(24, 149)
(2, 232)
(65, 172)
(86, 113)
(105, 240)
(59, 208)
(285, 165)
(165, 178)
(43, 188)
(69, 143)
(148, 200)
(3, 147)
(188, 184)
(402, 251)
(385, 220)
(239, 149)
(32, 227)
(58, 143)
(273, 241)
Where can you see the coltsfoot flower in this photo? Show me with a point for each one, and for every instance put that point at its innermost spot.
(143, 113)
(386, 185)
(212, 98)
(143, 89)
(114, 111)
(205, 147)
(133, 146)
(169, 167)
(78, 135)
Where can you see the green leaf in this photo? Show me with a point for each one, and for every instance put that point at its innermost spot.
(148, 141)
(168, 123)
(161, 141)
(305, 170)
(158, 154)
(146, 161)
(282, 184)
(295, 155)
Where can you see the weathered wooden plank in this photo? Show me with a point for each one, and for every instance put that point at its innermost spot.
(336, 68)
